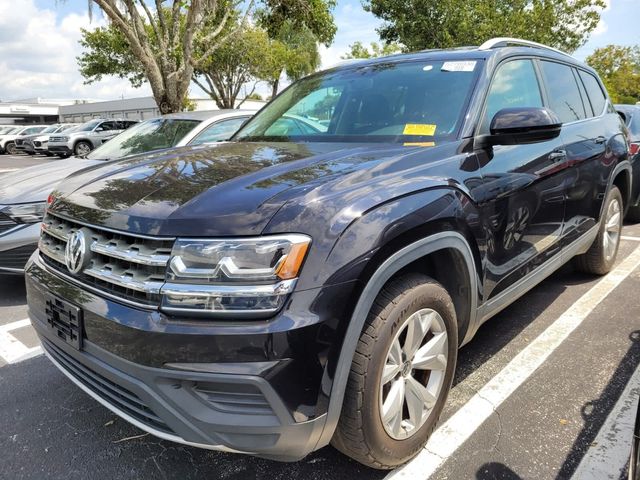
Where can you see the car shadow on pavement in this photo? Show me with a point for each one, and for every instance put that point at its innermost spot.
(496, 471)
(12, 290)
(500, 330)
(594, 412)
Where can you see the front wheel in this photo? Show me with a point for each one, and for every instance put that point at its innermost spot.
(401, 373)
(10, 147)
(82, 149)
(601, 256)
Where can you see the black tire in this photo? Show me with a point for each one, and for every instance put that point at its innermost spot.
(595, 260)
(10, 148)
(78, 148)
(360, 433)
(633, 214)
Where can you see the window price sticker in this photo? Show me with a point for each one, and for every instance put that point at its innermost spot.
(463, 66)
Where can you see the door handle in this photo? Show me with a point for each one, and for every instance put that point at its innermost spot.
(600, 140)
(557, 155)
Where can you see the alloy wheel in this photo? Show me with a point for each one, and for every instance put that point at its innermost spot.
(613, 224)
(414, 373)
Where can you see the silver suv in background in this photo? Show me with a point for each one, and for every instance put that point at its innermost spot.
(37, 143)
(87, 136)
(8, 140)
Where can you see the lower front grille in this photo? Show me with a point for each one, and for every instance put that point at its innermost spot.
(109, 391)
(16, 257)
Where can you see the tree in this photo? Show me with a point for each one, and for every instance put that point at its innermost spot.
(619, 68)
(166, 41)
(359, 50)
(237, 62)
(160, 40)
(421, 24)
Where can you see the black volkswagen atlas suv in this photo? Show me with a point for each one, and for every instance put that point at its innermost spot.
(310, 281)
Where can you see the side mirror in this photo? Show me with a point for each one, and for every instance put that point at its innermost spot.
(522, 125)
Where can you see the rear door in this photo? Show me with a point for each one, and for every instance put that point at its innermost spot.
(585, 135)
(523, 205)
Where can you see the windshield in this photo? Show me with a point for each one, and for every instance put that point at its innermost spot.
(67, 128)
(401, 102)
(87, 127)
(150, 135)
(50, 129)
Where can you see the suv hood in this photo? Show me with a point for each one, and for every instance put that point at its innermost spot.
(223, 189)
(34, 184)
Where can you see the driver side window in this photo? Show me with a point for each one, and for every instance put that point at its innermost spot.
(514, 85)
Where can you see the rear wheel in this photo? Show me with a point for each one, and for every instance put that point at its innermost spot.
(601, 256)
(82, 148)
(10, 147)
(401, 373)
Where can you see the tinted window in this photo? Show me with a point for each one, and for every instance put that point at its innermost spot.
(385, 102)
(596, 95)
(564, 96)
(107, 126)
(219, 131)
(514, 85)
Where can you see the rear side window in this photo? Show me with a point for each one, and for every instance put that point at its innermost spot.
(564, 95)
(514, 85)
(596, 95)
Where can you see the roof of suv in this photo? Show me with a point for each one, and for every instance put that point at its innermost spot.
(498, 47)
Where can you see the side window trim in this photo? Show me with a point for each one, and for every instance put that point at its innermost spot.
(485, 101)
(586, 101)
(607, 100)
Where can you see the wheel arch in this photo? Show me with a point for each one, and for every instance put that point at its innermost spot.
(621, 178)
(456, 246)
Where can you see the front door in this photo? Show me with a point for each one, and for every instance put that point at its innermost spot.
(523, 196)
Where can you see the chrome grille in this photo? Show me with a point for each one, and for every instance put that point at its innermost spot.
(124, 265)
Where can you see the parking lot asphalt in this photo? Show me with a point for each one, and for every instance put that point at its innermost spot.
(547, 389)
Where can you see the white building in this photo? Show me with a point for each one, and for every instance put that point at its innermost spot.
(130, 108)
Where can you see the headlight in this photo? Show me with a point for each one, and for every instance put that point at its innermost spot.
(25, 212)
(62, 139)
(250, 276)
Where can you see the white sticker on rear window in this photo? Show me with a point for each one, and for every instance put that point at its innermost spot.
(464, 66)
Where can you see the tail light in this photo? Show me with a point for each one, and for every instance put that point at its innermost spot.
(634, 148)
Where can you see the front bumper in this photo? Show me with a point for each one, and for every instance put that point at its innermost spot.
(230, 406)
(59, 149)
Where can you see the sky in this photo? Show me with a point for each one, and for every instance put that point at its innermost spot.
(39, 46)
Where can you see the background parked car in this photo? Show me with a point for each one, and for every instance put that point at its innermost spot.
(174, 130)
(87, 136)
(631, 115)
(8, 140)
(37, 143)
(23, 194)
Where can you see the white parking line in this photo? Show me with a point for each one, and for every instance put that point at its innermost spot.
(633, 239)
(455, 431)
(7, 170)
(13, 350)
(609, 453)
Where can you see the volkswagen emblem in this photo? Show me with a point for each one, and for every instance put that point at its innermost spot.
(76, 252)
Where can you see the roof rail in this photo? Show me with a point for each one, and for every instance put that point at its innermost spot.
(506, 41)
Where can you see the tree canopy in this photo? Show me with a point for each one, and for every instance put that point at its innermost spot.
(421, 24)
(166, 42)
(619, 68)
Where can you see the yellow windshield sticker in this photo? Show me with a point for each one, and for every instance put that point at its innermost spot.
(419, 129)
(419, 144)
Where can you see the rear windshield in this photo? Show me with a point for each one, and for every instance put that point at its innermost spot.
(393, 102)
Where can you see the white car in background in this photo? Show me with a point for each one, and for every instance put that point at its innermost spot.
(8, 140)
(23, 194)
(37, 143)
